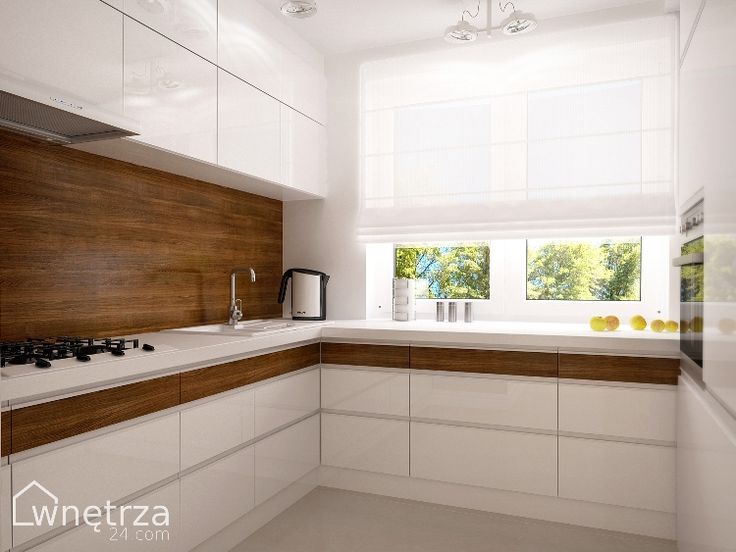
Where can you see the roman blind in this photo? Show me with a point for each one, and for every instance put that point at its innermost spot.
(548, 134)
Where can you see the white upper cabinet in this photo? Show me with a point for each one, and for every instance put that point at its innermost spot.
(303, 152)
(259, 48)
(249, 129)
(689, 10)
(191, 23)
(73, 48)
(172, 92)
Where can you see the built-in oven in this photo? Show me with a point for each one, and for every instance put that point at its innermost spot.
(692, 276)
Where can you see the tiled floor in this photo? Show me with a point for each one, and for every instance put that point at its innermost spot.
(329, 520)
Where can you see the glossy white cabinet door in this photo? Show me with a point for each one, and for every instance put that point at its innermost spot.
(247, 44)
(74, 48)
(172, 92)
(303, 150)
(125, 534)
(508, 460)
(303, 84)
(493, 401)
(216, 426)
(286, 456)
(249, 129)
(215, 496)
(191, 23)
(629, 412)
(6, 529)
(286, 400)
(706, 477)
(108, 467)
(368, 444)
(688, 13)
(369, 391)
(622, 474)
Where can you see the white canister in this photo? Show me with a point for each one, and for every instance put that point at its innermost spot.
(404, 303)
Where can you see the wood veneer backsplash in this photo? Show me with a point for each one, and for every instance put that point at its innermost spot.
(94, 246)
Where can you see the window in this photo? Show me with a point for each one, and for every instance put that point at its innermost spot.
(584, 270)
(457, 271)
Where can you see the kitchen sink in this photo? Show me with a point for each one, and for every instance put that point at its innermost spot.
(252, 327)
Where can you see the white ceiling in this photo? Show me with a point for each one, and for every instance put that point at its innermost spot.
(350, 25)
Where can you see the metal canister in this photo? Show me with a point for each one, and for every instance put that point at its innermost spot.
(440, 311)
(452, 311)
(468, 311)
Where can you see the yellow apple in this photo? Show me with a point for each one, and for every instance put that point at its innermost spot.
(696, 324)
(727, 325)
(684, 326)
(612, 323)
(597, 324)
(638, 322)
(657, 325)
(670, 326)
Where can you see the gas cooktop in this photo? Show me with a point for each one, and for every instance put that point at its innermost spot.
(41, 352)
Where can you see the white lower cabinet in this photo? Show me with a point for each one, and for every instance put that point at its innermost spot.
(368, 391)
(621, 474)
(6, 529)
(107, 467)
(157, 529)
(369, 444)
(282, 401)
(508, 460)
(618, 411)
(286, 456)
(215, 496)
(485, 400)
(216, 426)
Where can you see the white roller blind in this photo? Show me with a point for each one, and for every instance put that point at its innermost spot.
(569, 133)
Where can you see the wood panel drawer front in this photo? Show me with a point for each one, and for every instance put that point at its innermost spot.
(621, 474)
(108, 467)
(216, 426)
(628, 412)
(85, 539)
(620, 368)
(519, 363)
(45, 423)
(283, 401)
(216, 495)
(508, 460)
(5, 432)
(197, 384)
(484, 400)
(359, 354)
(6, 529)
(286, 456)
(370, 391)
(368, 444)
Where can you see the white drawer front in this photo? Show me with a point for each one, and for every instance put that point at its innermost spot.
(215, 496)
(371, 391)
(126, 535)
(505, 402)
(622, 474)
(285, 457)
(5, 526)
(108, 467)
(286, 400)
(508, 460)
(630, 412)
(368, 444)
(212, 428)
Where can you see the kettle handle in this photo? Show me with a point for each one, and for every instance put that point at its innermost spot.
(284, 282)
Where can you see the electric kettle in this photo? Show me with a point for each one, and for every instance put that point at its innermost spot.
(308, 289)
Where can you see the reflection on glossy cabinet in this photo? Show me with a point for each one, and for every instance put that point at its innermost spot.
(286, 456)
(172, 92)
(303, 152)
(216, 426)
(369, 391)
(621, 474)
(249, 129)
(6, 529)
(215, 496)
(492, 401)
(285, 400)
(74, 48)
(369, 444)
(108, 467)
(191, 23)
(508, 460)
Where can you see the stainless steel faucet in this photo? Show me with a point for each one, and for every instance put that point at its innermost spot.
(236, 305)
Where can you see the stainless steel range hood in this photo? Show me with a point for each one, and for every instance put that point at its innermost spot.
(36, 111)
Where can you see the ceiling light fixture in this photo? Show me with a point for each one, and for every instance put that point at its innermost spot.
(463, 32)
(299, 8)
(518, 22)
